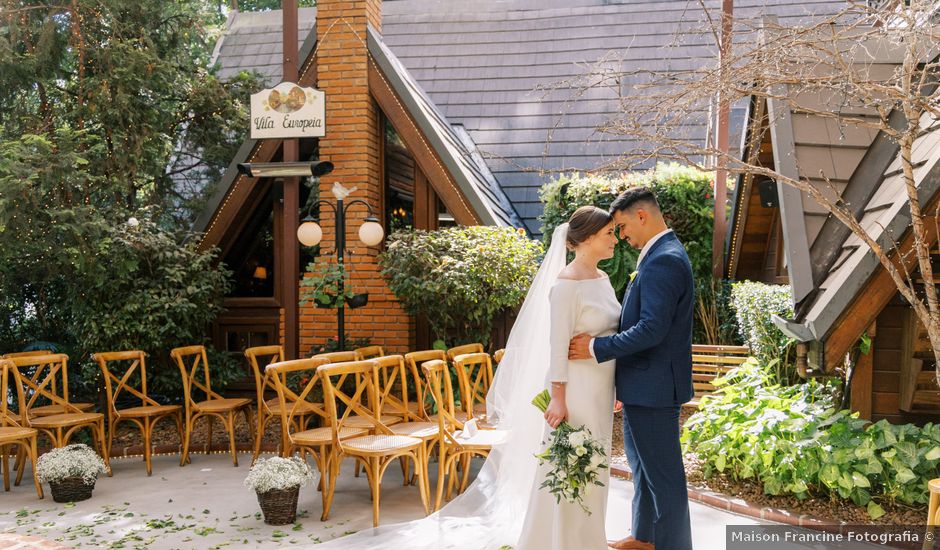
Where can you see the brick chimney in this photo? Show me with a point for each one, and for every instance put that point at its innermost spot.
(352, 144)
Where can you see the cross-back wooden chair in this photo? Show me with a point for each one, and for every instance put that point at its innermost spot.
(13, 432)
(413, 360)
(52, 408)
(370, 352)
(40, 392)
(475, 376)
(375, 451)
(498, 356)
(194, 368)
(339, 356)
(453, 352)
(455, 447)
(393, 397)
(261, 358)
(317, 442)
(125, 373)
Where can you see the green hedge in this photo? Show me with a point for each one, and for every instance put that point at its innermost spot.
(754, 304)
(794, 441)
(685, 195)
(461, 277)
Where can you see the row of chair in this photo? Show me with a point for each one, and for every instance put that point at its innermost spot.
(49, 410)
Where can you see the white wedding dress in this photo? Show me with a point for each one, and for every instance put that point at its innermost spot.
(491, 512)
(591, 307)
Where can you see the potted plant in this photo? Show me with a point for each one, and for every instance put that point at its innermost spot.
(70, 471)
(277, 482)
(322, 285)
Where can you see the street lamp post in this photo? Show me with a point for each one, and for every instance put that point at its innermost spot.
(371, 233)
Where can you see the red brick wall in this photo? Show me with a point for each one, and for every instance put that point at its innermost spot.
(352, 144)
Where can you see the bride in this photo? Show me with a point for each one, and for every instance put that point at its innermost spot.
(504, 506)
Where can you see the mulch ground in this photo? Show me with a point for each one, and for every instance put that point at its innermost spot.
(835, 510)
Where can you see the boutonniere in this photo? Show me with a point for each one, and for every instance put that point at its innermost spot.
(633, 276)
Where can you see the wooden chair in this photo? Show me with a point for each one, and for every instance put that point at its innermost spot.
(461, 350)
(413, 360)
(454, 446)
(12, 430)
(189, 359)
(498, 356)
(376, 451)
(317, 442)
(391, 377)
(370, 352)
(475, 376)
(339, 356)
(52, 408)
(40, 392)
(148, 413)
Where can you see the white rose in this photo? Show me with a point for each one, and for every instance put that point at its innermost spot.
(561, 474)
(577, 439)
(597, 460)
(133, 222)
(580, 451)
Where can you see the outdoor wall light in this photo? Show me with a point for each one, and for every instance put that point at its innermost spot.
(314, 168)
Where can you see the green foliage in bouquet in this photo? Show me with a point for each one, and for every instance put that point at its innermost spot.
(576, 459)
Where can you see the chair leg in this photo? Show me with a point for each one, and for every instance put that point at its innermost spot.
(230, 426)
(33, 453)
(256, 447)
(375, 485)
(184, 455)
(405, 470)
(332, 469)
(441, 474)
(99, 429)
(422, 477)
(20, 463)
(209, 422)
(5, 466)
(147, 429)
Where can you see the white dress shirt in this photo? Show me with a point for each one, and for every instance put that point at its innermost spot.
(646, 248)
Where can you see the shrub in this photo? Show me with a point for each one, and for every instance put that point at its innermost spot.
(754, 305)
(460, 277)
(795, 441)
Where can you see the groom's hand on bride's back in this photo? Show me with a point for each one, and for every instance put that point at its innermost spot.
(579, 348)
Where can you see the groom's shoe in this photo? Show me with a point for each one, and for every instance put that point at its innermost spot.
(630, 543)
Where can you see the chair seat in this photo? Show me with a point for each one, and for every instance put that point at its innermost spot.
(364, 422)
(13, 433)
(49, 410)
(483, 439)
(63, 420)
(380, 443)
(420, 430)
(148, 410)
(221, 405)
(319, 436)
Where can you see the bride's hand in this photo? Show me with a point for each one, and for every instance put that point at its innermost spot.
(556, 413)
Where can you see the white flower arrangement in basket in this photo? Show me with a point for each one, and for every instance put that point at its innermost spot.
(71, 461)
(278, 473)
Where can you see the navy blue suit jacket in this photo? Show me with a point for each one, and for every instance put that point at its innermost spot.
(654, 348)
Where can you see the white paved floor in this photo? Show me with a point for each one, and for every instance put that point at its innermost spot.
(205, 505)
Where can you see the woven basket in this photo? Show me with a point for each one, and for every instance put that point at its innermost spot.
(279, 505)
(71, 489)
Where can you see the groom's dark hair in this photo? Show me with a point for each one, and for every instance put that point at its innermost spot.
(634, 197)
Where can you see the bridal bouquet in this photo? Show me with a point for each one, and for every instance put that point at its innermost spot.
(576, 459)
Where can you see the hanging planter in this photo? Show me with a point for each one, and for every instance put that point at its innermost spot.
(357, 300)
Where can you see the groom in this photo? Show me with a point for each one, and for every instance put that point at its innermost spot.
(654, 372)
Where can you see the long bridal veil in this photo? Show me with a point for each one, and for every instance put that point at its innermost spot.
(490, 513)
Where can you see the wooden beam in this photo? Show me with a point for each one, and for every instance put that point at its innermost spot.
(862, 380)
(424, 156)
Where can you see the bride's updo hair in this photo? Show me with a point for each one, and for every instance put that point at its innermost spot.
(586, 221)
